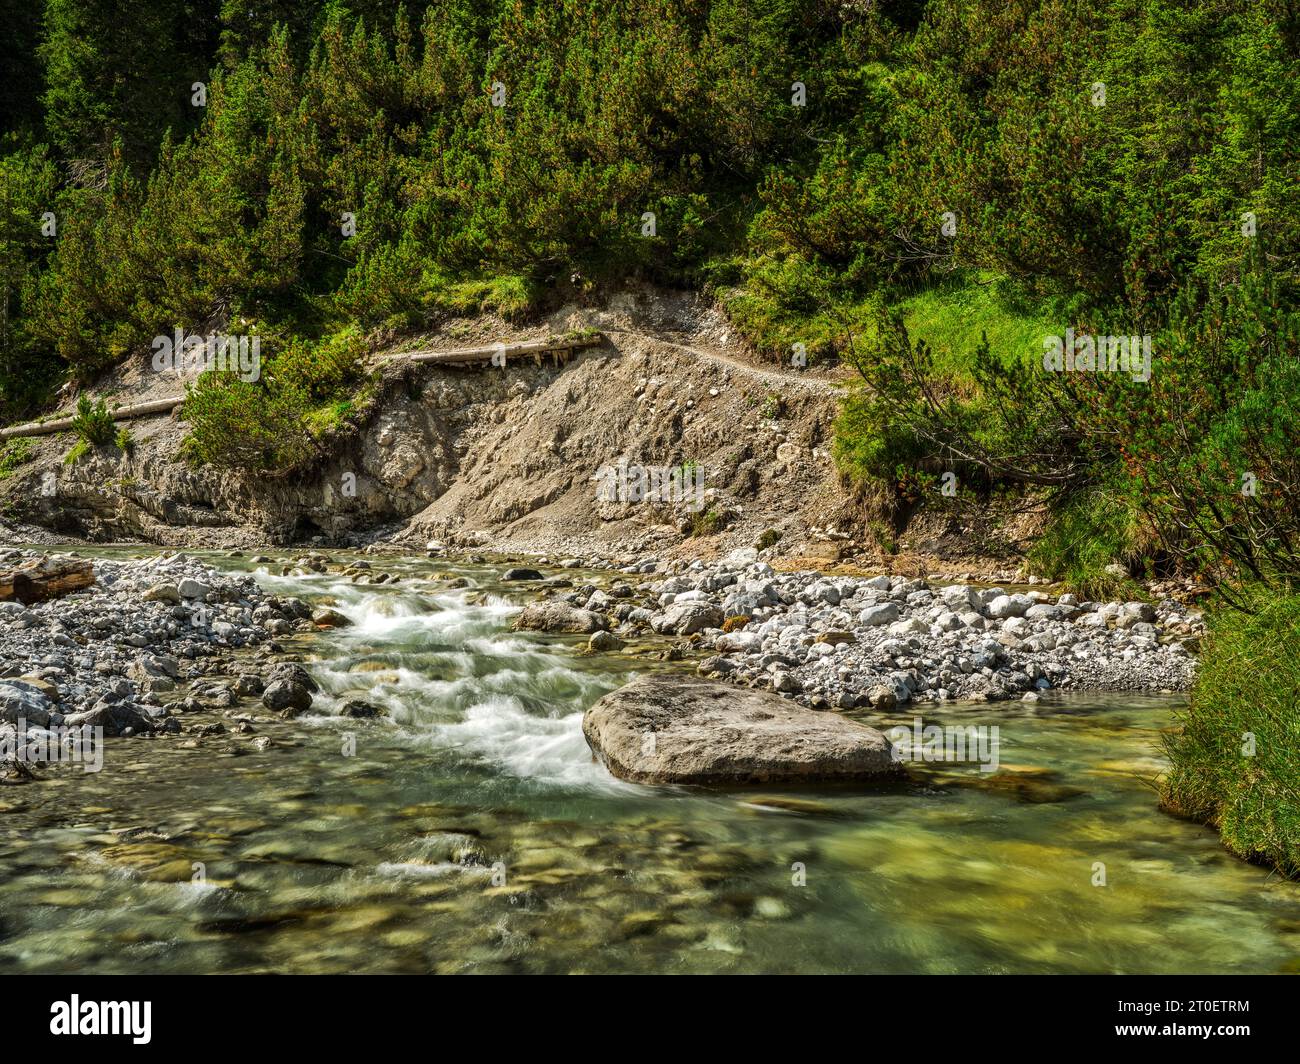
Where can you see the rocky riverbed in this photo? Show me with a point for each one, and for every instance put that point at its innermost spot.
(472, 830)
(171, 646)
(846, 642)
(155, 647)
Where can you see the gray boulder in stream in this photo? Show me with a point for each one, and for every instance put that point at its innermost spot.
(560, 617)
(287, 697)
(660, 729)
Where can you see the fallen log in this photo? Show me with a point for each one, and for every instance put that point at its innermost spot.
(495, 353)
(501, 352)
(122, 413)
(45, 578)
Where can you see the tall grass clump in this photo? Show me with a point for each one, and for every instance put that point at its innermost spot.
(1236, 759)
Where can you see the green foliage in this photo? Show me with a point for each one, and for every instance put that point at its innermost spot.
(274, 424)
(14, 453)
(1234, 762)
(1211, 447)
(93, 423)
(244, 425)
(959, 313)
(1087, 545)
(121, 74)
(996, 420)
(950, 192)
(28, 183)
(510, 296)
(320, 115)
(872, 442)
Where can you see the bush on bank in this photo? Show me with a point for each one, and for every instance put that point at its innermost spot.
(1236, 759)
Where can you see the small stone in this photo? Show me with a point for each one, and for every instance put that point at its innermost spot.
(604, 641)
(324, 617)
(287, 696)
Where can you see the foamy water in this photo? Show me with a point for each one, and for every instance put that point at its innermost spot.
(451, 674)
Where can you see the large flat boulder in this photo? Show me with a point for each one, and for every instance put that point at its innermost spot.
(660, 729)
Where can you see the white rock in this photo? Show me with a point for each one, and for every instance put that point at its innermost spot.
(1008, 606)
(193, 589)
(914, 626)
(885, 613)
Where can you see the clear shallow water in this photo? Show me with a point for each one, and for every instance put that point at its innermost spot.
(383, 861)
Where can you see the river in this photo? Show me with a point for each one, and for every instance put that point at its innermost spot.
(471, 831)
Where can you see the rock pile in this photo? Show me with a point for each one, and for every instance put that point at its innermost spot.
(843, 642)
(111, 656)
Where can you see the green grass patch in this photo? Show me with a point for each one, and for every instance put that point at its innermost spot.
(1087, 545)
(953, 316)
(510, 296)
(783, 302)
(1236, 759)
(14, 453)
(874, 447)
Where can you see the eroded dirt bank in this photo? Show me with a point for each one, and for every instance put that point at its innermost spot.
(507, 458)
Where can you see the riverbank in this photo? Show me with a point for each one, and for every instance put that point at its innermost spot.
(1235, 760)
(155, 647)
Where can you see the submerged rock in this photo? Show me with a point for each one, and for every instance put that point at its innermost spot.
(660, 729)
(324, 617)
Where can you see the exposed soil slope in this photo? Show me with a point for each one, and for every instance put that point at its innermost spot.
(505, 456)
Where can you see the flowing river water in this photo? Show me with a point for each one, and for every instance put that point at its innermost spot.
(471, 831)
